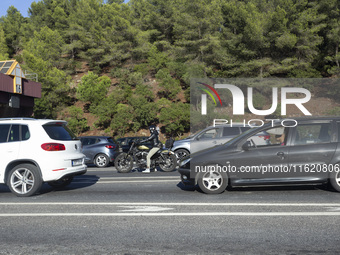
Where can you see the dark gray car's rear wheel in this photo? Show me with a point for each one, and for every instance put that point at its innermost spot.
(335, 180)
(24, 180)
(212, 182)
(101, 160)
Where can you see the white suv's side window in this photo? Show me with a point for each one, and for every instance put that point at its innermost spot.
(14, 134)
(4, 129)
(25, 133)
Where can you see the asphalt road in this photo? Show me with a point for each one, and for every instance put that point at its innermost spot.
(104, 212)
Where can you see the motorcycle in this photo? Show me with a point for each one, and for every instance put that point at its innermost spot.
(137, 153)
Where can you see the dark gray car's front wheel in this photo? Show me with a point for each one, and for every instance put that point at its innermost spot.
(101, 160)
(212, 182)
(335, 180)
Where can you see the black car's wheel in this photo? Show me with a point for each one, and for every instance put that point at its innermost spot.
(101, 160)
(24, 180)
(182, 153)
(335, 180)
(169, 163)
(212, 182)
(123, 163)
(63, 182)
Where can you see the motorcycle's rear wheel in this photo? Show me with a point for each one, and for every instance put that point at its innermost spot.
(124, 163)
(169, 164)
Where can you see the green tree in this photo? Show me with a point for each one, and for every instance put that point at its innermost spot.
(170, 86)
(76, 121)
(12, 24)
(175, 119)
(3, 46)
(93, 88)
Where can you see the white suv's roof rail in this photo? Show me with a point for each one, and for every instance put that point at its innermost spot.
(17, 118)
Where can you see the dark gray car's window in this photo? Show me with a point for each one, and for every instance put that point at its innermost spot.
(312, 134)
(4, 129)
(59, 132)
(231, 131)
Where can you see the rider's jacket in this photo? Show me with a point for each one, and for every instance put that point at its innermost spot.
(154, 139)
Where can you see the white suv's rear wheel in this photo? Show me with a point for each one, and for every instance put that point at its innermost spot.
(24, 180)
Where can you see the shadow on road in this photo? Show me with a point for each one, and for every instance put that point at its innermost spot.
(79, 182)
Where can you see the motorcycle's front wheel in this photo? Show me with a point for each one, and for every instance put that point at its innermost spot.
(123, 163)
(169, 162)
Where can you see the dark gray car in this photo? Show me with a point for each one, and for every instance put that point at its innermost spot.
(100, 150)
(306, 153)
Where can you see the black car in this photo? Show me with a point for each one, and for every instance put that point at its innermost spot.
(100, 150)
(125, 142)
(303, 151)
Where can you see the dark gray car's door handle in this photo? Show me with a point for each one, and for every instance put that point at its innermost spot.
(281, 154)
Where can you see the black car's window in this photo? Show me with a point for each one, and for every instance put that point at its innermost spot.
(59, 132)
(4, 129)
(14, 134)
(312, 134)
(231, 131)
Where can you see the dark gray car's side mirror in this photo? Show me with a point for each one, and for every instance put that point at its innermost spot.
(246, 146)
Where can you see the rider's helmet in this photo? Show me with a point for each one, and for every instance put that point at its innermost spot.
(152, 128)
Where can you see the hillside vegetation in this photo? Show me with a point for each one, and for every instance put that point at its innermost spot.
(125, 66)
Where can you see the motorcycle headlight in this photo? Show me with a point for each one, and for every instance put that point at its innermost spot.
(184, 162)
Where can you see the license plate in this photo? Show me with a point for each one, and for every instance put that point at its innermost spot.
(77, 162)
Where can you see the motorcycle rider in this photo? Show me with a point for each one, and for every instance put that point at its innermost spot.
(156, 145)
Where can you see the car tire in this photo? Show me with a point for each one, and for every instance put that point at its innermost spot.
(24, 180)
(63, 182)
(212, 182)
(334, 180)
(181, 153)
(101, 160)
(123, 163)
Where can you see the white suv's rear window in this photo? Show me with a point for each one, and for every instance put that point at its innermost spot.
(59, 132)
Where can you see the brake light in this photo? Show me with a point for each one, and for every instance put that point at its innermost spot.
(265, 137)
(110, 146)
(53, 147)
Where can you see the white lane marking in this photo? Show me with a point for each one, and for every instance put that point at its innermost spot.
(144, 209)
(123, 178)
(141, 181)
(333, 209)
(172, 214)
(178, 204)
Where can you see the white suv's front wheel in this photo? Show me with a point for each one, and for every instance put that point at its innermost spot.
(24, 180)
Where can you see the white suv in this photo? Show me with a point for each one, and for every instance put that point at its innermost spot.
(35, 151)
